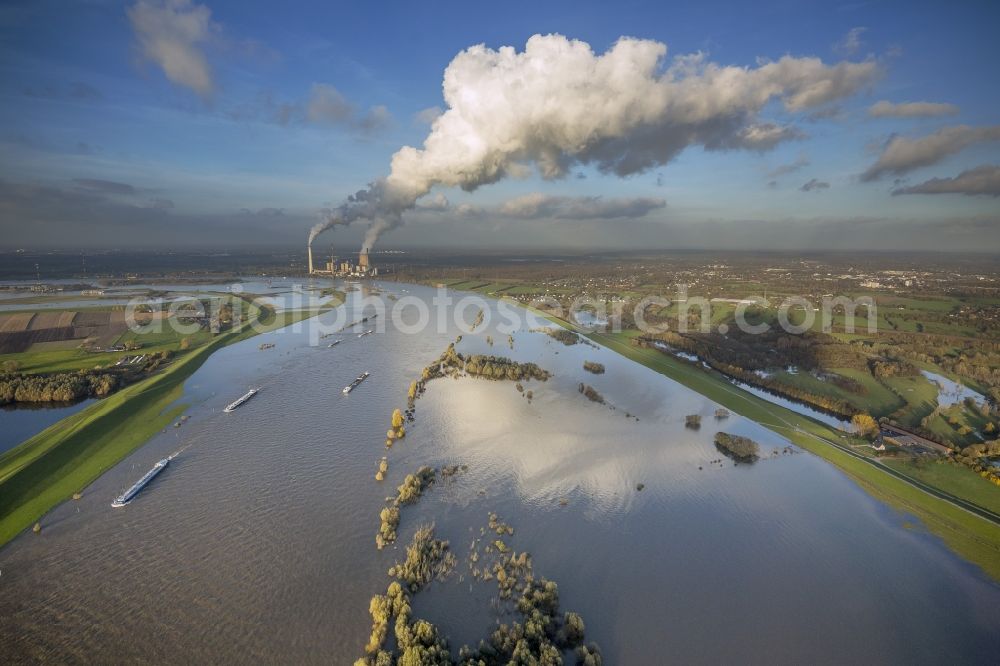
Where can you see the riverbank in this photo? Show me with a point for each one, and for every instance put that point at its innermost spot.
(66, 457)
(973, 536)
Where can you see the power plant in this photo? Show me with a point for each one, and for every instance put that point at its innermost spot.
(336, 268)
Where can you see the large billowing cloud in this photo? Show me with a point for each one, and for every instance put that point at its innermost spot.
(983, 180)
(557, 104)
(902, 155)
(537, 205)
(886, 109)
(172, 34)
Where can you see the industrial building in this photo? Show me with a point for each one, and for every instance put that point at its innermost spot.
(337, 268)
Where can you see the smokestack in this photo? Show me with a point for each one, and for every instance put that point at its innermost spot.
(363, 260)
(310, 248)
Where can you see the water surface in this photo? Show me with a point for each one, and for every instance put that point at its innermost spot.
(20, 421)
(951, 392)
(257, 543)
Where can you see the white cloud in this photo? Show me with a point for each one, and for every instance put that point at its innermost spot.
(437, 203)
(172, 33)
(557, 104)
(468, 210)
(902, 155)
(429, 115)
(765, 136)
(376, 119)
(537, 205)
(814, 185)
(327, 105)
(886, 109)
(785, 169)
(851, 43)
(983, 180)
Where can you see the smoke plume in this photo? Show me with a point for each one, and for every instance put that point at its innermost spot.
(361, 205)
(557, 104)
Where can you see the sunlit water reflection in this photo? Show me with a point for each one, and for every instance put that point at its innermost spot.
(257, 544)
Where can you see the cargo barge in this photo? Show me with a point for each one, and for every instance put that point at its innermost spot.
(240, 401)
(127, 496)
(350, 387)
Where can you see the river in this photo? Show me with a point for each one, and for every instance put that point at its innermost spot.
(257, 543)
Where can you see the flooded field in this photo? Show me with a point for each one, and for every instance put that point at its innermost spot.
(258, 542)
(19, 422)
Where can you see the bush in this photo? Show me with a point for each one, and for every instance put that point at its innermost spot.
(563, 335)
(60, 387)
(591, 366)
(740, 448)
(591, 393)
(426, 558)
(387, 531)
(413, 485)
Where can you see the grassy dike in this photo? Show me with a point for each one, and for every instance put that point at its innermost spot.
(47, 469)
(975, 538)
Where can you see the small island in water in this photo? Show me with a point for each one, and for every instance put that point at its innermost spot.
(742, 449)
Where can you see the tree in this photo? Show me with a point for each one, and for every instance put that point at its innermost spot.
(397, 419)
(864, 424)
(735, 446)
(185, 343)
(11, 366)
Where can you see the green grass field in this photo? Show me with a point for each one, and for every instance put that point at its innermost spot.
(953, 477)
(920, 396)
(933, 304)
(878, 401)
(167, 337)
(948, 423)
(67, 360)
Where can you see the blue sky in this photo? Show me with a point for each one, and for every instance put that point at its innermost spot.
(100, 147)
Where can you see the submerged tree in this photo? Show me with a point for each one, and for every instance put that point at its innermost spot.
(735, 446)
